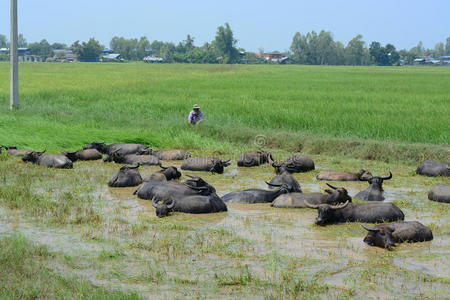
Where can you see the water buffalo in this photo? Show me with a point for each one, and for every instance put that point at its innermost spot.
(121, 148)
(357, 212)
(88, 154)
(213, 165)
(196, 204)
(166, 174)
(12, 150)
(297, 163)
(298, 200)
(164, 190)
(286, 178)
(344, 176)
(433, 168)
(132, 159)
(375, 190)
(386, 235)
(440, 193)
(251, 196)
(49, 160)
(171, 154)
(126, 176)
(253, 159)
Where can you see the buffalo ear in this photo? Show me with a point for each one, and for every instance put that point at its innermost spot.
(369, 240)
(329, 191)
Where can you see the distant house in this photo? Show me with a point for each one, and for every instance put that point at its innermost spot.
(112, 57)
(445, 59)
(153, 59)
(63, 55)
(106, 51)
(426, 60)
(274, 56)
(24, 54)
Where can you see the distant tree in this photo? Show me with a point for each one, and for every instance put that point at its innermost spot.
(418, 50)
(58, 46)
(225, 44)
(379, 54)
(447, 46)
(354, 51)
(42, 48)
(340, 54)
(189, 43)
(299, 48)
(142, 48)
(21, 41)
(439, 50)
(3, 41)
(88, 52)
(167, 52)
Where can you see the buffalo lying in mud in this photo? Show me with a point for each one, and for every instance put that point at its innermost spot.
(344, 176)
(12, 150)
(297, 163)
(440, 193)
(286, 178)
(164, 190)
(375, 190)
(132, 159)
(252, 196)
(357, 212)
(433, 168)
(298, 200)
(197, 204)
(166, 174)
(254, 159)
(213, 165)
(121, 148)
(89, 154)
(386, 235)
(126, 176)
(49, 160)
(171, 154)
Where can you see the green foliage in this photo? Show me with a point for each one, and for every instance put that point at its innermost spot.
(88, 52)
(42, 48)
(225, 44)
(3, 41)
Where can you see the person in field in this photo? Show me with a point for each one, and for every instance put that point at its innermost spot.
(195, 116)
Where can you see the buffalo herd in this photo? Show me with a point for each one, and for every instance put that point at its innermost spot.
(196, 196)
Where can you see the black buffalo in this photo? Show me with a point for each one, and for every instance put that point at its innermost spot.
(132, 159)
(440, 193)
(120, 148)
(299, 200)
(286, 178)
(49, 160)
(164, 190)
(165, 174)
(88, 154)
(375, 190)
(344, 176)
(253, 159)
(171, 154)
(433, 168)
(213, 165)
(297, 163)
(357, 212)
(12, 150)
(386, 235)
(252, 196)
(126, 176)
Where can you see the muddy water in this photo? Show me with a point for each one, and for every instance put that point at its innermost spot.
(335, 249)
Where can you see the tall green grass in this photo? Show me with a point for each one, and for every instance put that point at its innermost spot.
(68, 105)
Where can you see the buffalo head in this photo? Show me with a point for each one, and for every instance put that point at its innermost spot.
(163, 209)
(218, 165)
(70, 155)
(32, 156)
(380, 236)
(364, 175)
(199, 185)
(170, 172)
(101, 147)
(326, 211)
(337, 195)
(377, 181)
(284, 188)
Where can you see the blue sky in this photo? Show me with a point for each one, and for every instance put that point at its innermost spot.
(267, 24)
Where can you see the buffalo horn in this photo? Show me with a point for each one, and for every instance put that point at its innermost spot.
(154, 202)
(334, 188)
(388, 177)
(195, 187)
(311, 205)
(164, 168)
(339, 206)
(371, 229)
(171, 205)
(271, 184)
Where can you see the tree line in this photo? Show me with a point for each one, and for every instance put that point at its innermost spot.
(311, 48)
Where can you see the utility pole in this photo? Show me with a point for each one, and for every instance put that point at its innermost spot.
(14, 64)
